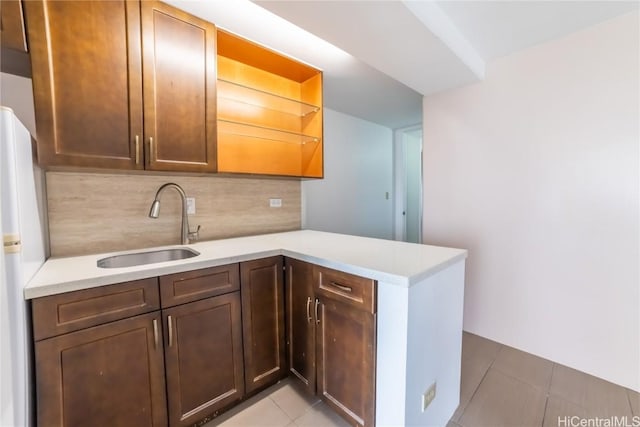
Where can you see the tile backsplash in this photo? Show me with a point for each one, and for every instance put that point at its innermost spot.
(94, 213)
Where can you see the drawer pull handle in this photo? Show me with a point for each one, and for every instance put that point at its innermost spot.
(155, 332)
(341, 287)
(308, 309)
(316, 310)
(170, 325)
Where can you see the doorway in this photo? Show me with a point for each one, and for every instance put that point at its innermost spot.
(408, 184)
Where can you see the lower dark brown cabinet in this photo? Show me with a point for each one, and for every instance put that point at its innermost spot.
(203, 357)
(331, 329)
(111, 374)
(179, 349)
(261, 285)
(346, 361)
(301, 325)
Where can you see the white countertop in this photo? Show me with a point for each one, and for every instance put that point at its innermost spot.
(398, 263)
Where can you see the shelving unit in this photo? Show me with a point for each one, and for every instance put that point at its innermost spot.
(269, 111)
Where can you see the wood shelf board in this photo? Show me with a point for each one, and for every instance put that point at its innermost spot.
(239, 49)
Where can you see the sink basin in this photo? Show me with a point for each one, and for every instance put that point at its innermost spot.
(151, 257)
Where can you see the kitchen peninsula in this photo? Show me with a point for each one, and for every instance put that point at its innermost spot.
(416, 311)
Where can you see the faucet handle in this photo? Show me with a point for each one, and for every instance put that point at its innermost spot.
(194, 235)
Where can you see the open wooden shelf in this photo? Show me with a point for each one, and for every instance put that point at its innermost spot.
(269, 111)
(251, 149)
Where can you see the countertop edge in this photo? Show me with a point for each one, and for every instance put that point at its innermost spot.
(157, 269)
(437, 268)
(41, 287)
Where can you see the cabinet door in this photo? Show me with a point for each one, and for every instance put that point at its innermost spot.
(263, 322)
(346, 361)
(106, 375)
(87, 82)
(12, 34)
(301, 323)
(179, 90)
(203, 357)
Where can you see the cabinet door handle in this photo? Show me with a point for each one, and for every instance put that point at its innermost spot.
(341, 287)
(155, 332)
(308, 309)
(137, 149)
(316, 310)
(152, 153)
(170, 325)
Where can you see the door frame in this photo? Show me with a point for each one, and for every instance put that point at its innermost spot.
(400, 186)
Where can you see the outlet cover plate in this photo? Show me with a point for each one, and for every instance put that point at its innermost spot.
(275, 203)
(191, 205)
(428, 396)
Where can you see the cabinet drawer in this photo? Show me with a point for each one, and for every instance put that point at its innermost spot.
(190, 286)
(72, 311)
(355, 291)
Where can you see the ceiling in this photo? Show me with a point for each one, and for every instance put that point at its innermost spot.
(382, 56)
(499, 28)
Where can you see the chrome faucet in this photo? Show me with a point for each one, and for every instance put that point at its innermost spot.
(154, 212)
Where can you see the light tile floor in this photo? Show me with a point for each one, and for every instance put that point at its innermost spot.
(282, 405)
(501, 386)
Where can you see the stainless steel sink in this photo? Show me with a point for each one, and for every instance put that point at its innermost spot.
(151, 257)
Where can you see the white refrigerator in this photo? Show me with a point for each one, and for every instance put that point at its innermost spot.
(23, 254)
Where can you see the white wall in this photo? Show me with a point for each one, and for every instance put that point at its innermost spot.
(536, 172)
(419, 343)
(17, 93)
(358, 163)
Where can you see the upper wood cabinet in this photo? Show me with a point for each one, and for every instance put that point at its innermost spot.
(143, 85)
(179, 59)
(269, 111)
(12, 34)
(87, 82)
(88, 60)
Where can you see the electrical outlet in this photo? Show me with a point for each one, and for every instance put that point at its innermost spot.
(428, 396)
(191, 205)
(275, 203)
